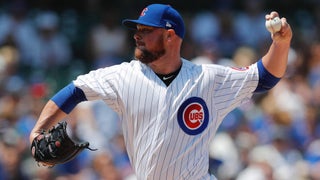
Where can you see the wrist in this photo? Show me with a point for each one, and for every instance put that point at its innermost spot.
(33, 136)
(281, 45)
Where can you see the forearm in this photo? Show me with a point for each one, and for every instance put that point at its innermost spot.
(57, 108)
(50, 116)
(275, 61)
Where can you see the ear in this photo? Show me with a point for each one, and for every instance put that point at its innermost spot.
(170, 34)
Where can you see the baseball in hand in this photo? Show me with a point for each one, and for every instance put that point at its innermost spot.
(273, 25)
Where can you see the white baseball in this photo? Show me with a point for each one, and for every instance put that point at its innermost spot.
(273, 25)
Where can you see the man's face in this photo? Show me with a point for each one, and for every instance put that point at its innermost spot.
(149, 44)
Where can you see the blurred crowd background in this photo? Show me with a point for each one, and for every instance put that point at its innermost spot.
(45, 44)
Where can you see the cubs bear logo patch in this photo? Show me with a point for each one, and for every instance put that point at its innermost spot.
(193, 116)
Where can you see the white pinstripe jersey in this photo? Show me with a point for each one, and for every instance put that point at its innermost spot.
(167, 130)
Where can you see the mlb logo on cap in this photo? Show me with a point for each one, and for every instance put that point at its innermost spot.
(159, 15)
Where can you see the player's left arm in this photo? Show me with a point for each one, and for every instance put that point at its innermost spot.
(273, 65)
(275, 60)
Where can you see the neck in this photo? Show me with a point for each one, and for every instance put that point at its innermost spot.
(171, 60)
(166, 65)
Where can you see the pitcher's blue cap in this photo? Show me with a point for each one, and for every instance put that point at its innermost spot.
(159, 15)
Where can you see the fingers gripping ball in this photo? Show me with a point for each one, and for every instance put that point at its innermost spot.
(273, 25)
(56, 147)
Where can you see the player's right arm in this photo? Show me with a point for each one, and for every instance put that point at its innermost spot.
(98, 84)
(50, 116)
(57, 108)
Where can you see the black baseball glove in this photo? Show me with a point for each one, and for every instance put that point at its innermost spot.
(56, 147)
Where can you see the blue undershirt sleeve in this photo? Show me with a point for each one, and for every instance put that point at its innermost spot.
(68, 97)
(266, 79)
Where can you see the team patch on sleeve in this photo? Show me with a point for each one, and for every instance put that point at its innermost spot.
(193, 116)
(240, 68)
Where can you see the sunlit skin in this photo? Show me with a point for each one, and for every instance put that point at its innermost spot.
(275, 61)
(149, 44)
(159, 48)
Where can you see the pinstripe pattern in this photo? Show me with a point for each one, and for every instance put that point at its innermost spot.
(158, 148)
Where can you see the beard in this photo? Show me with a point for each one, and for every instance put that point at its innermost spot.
(147, 56)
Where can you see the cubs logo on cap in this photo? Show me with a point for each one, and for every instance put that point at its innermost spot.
(193, 116)
(143, 12)
(161, 16)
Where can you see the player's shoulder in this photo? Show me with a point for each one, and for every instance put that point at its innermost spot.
(131, 64)
(203, 67)
(114, 69)
(122, 65)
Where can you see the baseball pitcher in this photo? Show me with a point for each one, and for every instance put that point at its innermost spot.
(170, 108)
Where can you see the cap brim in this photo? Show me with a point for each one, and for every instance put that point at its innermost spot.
(132, 24)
